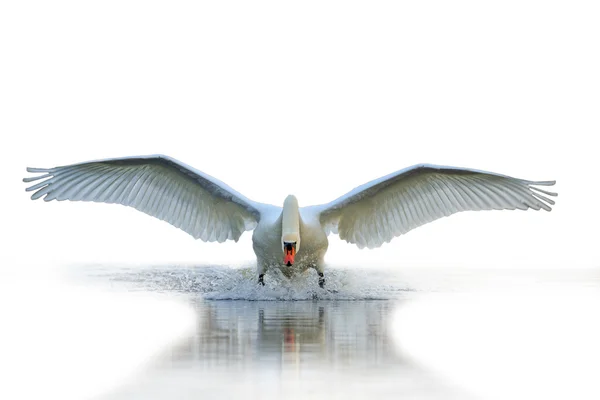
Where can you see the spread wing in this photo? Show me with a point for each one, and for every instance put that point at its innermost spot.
(159, 186)
(380, 210)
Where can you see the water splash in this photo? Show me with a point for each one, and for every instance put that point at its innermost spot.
(240, 283)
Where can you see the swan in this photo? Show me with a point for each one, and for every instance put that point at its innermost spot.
(291, 237)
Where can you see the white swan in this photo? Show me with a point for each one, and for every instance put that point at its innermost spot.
(291, 237)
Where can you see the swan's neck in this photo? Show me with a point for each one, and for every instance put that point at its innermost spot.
(290, 222)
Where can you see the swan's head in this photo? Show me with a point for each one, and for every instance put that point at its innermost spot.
(290, 230)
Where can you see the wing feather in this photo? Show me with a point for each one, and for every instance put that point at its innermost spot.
(445, 195)
(418, 205)
(378, 211)
(158, 186)
(110, 185)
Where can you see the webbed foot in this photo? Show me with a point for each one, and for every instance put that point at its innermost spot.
(261, 280)
(321, 280)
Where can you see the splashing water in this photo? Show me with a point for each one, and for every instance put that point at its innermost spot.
(240, 283)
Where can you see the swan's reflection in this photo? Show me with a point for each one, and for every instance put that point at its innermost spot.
(289, 333)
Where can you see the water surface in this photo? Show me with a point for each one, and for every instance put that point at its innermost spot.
(187, 332)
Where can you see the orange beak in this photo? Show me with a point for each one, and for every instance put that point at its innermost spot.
(289, 254)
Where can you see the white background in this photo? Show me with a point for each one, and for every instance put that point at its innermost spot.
(311, 98)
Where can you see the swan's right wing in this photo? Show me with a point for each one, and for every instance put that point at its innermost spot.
(159, 186)
(378, 211)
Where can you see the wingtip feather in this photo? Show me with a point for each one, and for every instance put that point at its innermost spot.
(542, 183)
(543, 191)
(38, 170)
(36, 195)
(36, 186)
(35, 178)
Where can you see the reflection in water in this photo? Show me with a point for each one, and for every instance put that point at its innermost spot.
(419, 343)
(341, 333)
(302, 349)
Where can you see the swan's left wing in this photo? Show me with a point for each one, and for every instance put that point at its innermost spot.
(378, 211)
(159, 186)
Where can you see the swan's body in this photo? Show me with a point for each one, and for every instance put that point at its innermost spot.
(311, 240)
(288, 237)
